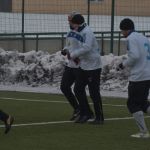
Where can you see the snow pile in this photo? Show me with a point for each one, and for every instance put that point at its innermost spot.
(35, 69)
(31, 68)
(112, 78)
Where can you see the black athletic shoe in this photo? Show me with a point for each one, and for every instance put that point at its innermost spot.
(75, 115)
(8, 124)
(83, 119)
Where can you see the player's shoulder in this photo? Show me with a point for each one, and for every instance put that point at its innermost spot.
(135, 35)
(88, 31)
(72, 33)
(138, 37)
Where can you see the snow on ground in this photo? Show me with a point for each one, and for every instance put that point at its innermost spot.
(56, 90)
(42, 72)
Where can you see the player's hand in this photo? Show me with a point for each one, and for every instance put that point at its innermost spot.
(63, 52)
(76, 60)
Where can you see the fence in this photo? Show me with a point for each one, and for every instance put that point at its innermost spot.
(39, 20)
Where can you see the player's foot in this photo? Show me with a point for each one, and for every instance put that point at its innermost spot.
(75, 114)
(84, 119)
(8, 124)
(141, 135)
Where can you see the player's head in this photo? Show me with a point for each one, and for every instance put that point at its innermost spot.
(77, 22)
(126, 26)
(78, 19)
(70, 16)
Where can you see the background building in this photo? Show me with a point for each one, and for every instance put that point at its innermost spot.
(97, 7)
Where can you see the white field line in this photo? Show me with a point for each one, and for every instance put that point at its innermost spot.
(63, 122)
(46, 101)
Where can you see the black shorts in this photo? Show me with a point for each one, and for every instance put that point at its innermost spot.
(138, 96)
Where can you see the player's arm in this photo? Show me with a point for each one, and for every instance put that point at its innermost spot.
(133, 53)
(85, 48)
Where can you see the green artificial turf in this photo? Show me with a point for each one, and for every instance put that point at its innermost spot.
(51, 109)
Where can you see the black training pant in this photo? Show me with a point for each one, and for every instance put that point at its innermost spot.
(92, 79)
(67, 81)
(3, 116)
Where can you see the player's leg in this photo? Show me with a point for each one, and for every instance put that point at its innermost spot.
(136, 93)
(7, 119)
(80, 92)
(67, 81)
(94, 90)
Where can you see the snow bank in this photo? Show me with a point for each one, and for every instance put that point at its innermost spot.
(40, 69)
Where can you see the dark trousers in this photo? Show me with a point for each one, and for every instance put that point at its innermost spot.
(92, 79)
(138, 96)
(3, 116)
(67, 81)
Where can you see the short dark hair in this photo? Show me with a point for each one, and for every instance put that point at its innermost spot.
(126, 24)
(78, 19)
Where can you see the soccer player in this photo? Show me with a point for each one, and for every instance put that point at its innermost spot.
(138, 61)
(68, 77)
(89, 70)
(7, 119)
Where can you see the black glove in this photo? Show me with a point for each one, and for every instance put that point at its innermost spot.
(120, 67)
(76, 60)
(63, 52)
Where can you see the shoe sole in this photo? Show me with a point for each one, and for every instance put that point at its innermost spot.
(138, 137)
(144, 136)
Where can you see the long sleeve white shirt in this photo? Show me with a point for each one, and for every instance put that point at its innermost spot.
(88, 51)
(72, 44)
(138, 61)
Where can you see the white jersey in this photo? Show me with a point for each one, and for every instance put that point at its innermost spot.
(86, 50)
(72, 44)
(138, 59)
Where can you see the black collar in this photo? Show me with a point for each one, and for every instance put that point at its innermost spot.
(82, 27)
(131, 32)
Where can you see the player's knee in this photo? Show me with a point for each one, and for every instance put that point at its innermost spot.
(78, 90)
(133, 107)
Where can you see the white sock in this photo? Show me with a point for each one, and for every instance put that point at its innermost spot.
(139, 118)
